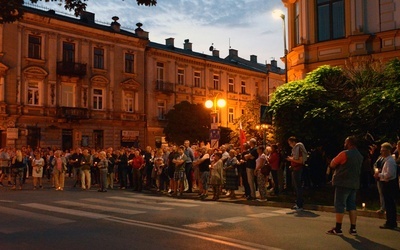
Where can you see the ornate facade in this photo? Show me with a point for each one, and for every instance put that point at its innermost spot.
(70, 82)
(337, 32)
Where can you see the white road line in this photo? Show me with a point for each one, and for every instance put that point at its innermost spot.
(178, 204)
(66, 211)
(282, 211)
(230, 242)
(101, 208)
(19, 227)
(263, 215)
(8, 201)
(127, 204)
(202, 225)
(142, 196)
(234, 219)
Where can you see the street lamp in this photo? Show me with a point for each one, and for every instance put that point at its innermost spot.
(280, 14)
(214, 104)
(264, 128)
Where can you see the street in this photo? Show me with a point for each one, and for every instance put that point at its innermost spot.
(74, 219)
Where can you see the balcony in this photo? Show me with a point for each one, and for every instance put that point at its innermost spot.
(165, 87)
(71, 69)
(71, 113)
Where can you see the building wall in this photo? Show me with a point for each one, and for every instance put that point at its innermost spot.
(47, 114)
(371, 32)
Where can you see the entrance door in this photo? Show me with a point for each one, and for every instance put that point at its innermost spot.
(33, 138)
(66, 139)
(98, 139)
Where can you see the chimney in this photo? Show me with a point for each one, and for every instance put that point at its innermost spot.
(115, 25)
(187, 45)
(274, 63)
(215, 53)
(87, 17)
(253, 58)
(233, 52)
(140, 32)
(169, 42)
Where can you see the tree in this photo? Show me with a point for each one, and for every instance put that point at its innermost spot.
(187, 121)
(332, 103)
(11, 10)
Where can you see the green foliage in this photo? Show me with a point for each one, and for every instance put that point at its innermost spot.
(11, 10)
(187, 121)
(332, 103)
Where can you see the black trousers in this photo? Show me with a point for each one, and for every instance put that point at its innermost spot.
(389, 190)
(188, 172)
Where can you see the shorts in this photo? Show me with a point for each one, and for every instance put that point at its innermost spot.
(345, 198)
(179, 175)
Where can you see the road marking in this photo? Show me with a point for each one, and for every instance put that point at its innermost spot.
(8, 201)
(282, 211)
(263, 215)
(101, 208)
(234, 219)
(126, 204)
(203, 225)
(231, 242)
(66, 211)
(178, 204)
(15, 227)
(141, 196)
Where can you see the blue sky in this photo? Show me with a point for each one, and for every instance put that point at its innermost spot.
(245, 25)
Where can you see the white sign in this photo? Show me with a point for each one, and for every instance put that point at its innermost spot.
(12, 133)
(129, 135)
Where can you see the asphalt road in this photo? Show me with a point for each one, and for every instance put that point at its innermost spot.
(74, 219)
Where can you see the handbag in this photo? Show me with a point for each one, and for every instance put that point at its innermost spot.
(266, 169)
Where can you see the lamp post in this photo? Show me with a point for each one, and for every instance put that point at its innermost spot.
(264, 128)
(279, 14)
(214, 104)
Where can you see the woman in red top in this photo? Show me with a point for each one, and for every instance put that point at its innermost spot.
(274, 161)
(137, 164)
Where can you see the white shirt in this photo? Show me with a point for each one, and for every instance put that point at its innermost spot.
(389, 169)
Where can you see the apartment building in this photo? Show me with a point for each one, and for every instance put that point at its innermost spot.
(340, 32)
(69, 82)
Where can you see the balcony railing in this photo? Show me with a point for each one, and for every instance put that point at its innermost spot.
(71, 113)
(165, 87)
(71, 69)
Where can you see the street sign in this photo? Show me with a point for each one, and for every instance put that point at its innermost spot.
(214, 144)
(265, 115)
(215, 134)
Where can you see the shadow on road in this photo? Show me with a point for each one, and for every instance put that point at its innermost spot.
(360, 242)
(304, 213)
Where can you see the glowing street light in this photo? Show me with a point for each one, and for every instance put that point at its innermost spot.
(214, 104)
(264, 128)
(280, 14)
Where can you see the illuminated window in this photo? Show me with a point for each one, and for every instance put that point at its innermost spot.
(330, 19)
(216, 81)
(243, 87)
(33, 93)
(197, 79)
(129, 63)
(231, 85)
(98, 62)
(181, 76)
(98, 99)
(231, 115)
(34, 47)
(67, 98)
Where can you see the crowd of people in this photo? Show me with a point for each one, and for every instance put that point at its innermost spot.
(174, 170)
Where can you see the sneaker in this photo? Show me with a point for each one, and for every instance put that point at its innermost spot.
(335, 231)
(353, 232)
(380, 211)
(386, 226)
(297, 208)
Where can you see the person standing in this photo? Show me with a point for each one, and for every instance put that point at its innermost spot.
(346, 179)
(86, 161)
(261, 178)
(59, 168)
(137, 163)
(231, 174)
(216, 175)
(388, 178)
(379, 184)
(4, 165)
(37, 170)
(179, 174)
(103, 169)
(250, 167)
(17, 169)
(297, 160)
(189, 165)
(274, 161)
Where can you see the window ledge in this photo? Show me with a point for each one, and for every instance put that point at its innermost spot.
(35, 60)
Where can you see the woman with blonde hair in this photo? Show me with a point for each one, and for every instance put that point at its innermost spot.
(103, 169)
(59, 168)
(17, 167)
(37, 170)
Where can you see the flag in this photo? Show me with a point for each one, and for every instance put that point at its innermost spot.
(242, 136)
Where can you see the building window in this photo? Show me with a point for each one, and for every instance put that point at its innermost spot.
(160, 72)
(161, 110)
(216, 81)
(68, 52)
(243, 87)
(231, 115)
(98, 138)
(242, 112)
(330, 15)
(129, 63)
(98, 62)
(297, 23)
(257, 89)
(98, 99)
(34, 47)
(197, 79)
(67, 98)
(129, 103)
(33, 93)
(181, 76)
(231, 85)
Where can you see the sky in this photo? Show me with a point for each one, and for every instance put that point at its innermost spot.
(245, 25)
